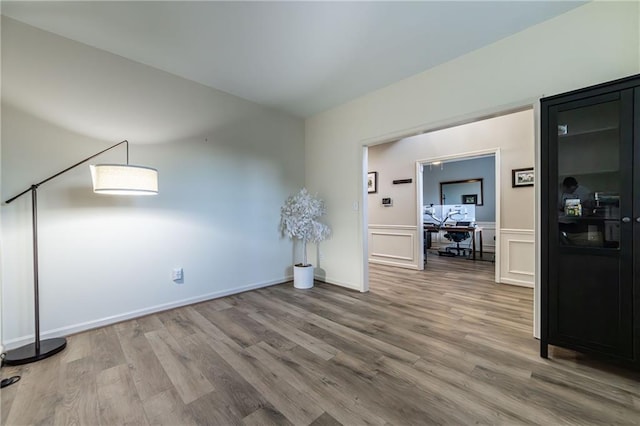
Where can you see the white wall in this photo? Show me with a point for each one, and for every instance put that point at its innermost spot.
(594, 43)
(512, 135)
(396, 160)
(225, 167)
(1, 249)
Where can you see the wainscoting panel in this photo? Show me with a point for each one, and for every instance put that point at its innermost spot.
(488, 235)
(394, 245)
(517, 264)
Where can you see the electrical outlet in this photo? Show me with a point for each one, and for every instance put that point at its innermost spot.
(177, 275)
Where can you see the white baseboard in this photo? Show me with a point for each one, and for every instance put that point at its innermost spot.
(350, 286)
(513, 281)
(77, 328)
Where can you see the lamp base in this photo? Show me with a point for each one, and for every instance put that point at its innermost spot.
(27, 353)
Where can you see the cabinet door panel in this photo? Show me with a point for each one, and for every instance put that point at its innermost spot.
(589, 298)
(590, 164)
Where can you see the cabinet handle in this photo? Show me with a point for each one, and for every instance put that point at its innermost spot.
(638, 219)
(626, 219)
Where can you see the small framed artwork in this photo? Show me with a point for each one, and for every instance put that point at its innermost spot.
(470, 199)
(372, 182)
(522, 177)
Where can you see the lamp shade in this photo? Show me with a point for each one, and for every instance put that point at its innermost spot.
(124, 179)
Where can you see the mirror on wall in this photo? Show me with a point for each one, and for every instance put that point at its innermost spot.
(467, 191)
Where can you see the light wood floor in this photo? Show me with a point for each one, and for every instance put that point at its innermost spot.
(442, 346)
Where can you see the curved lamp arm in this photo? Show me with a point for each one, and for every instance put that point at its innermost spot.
(36, 185)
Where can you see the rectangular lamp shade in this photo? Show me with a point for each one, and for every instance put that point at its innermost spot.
(124, 179)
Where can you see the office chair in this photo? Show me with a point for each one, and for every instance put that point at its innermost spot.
(458, 237)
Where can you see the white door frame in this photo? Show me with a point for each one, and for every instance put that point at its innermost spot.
(364, 207)
(419, 198)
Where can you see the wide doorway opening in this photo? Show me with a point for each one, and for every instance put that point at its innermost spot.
(398, 195)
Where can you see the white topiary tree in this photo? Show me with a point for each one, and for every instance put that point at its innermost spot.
(298, 220)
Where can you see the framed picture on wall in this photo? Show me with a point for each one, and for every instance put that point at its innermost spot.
(522, 177)
(372, 182)
(470, 199)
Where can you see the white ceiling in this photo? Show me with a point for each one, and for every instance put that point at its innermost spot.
(300, 57)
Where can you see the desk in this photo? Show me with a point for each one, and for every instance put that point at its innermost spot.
(429, 227)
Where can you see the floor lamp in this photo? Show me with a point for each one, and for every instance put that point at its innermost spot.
(118, 179)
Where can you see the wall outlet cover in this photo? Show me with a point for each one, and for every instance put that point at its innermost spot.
(177, 274)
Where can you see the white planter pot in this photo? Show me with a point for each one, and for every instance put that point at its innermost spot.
(303, 276)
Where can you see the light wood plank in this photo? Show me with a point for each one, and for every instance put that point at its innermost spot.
(148, 375)
(176, 323)
(344, 409)
(299, 337)
(37, 393)
(442, 346)
(150, 323)
(78, 346)
(117, 398)
(296, 406)
(231, 389)
(167, 409)
(79, 404)
(105, 348)
(187, 379)
(266, 417)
